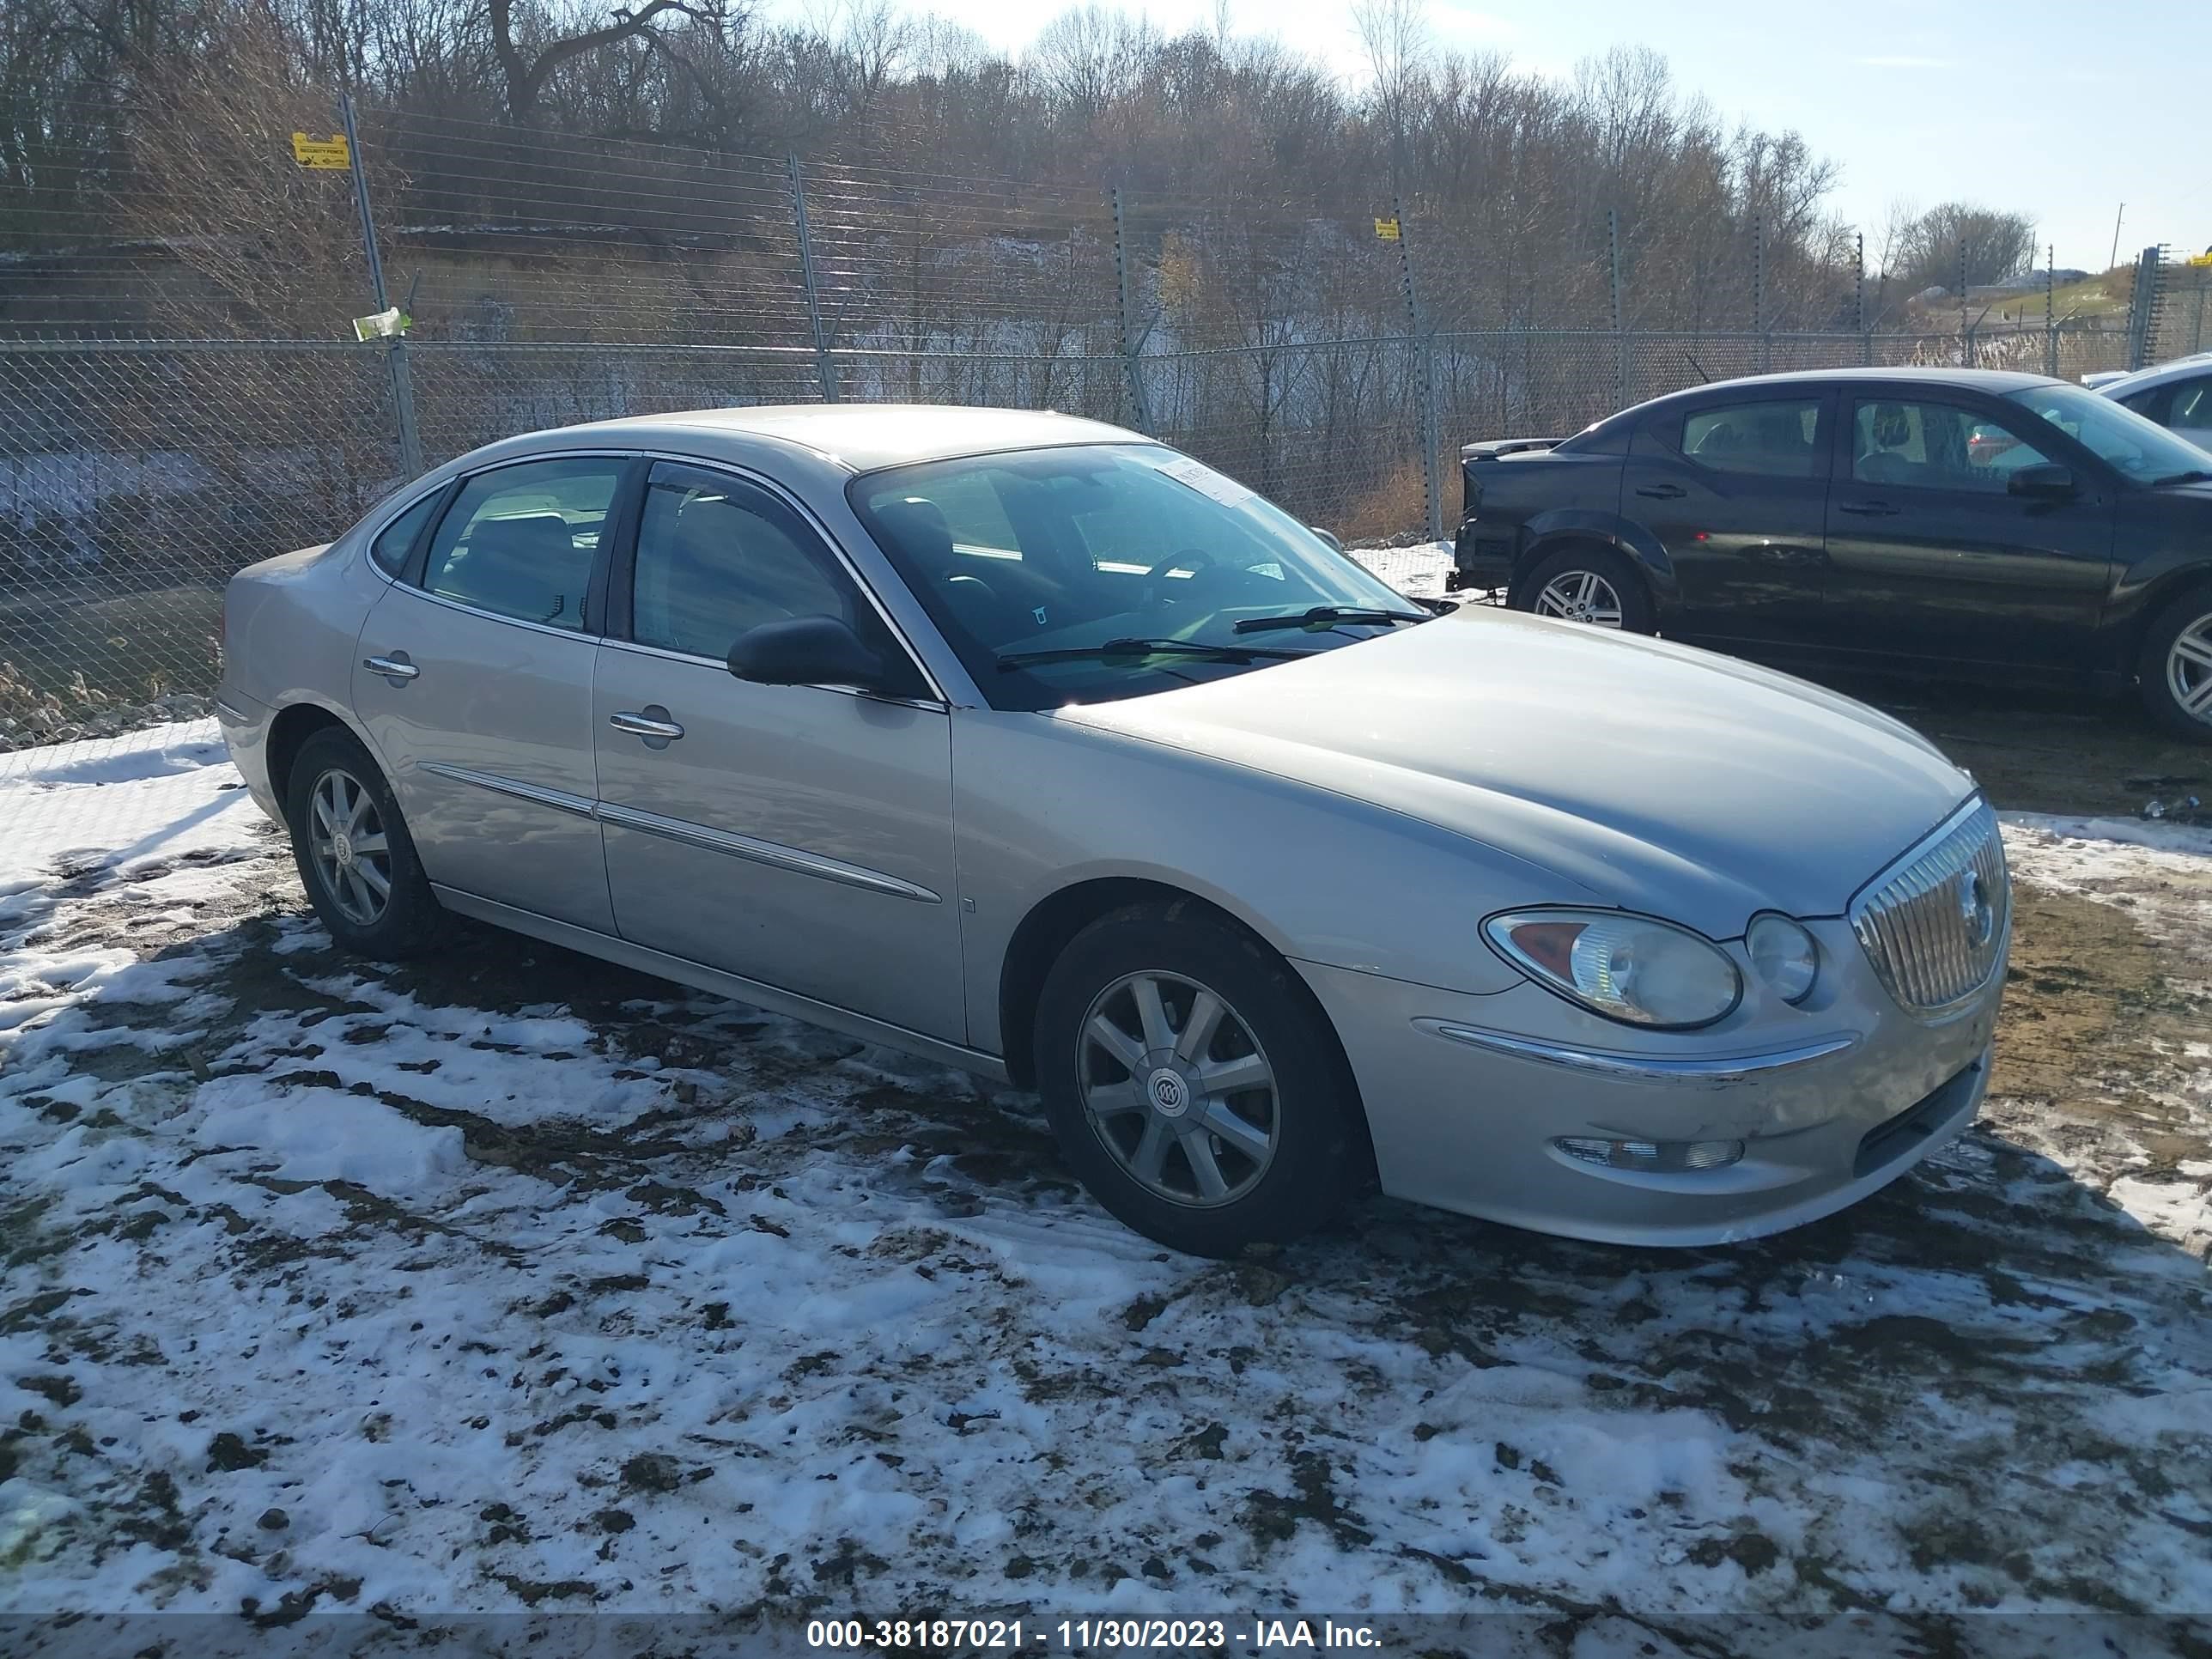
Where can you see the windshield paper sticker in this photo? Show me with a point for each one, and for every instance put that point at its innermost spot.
(1206, 482)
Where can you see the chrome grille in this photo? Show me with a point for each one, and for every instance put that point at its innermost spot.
(1934, 923)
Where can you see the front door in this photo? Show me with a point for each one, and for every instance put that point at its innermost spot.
(1736, 492)
(473, 677)
(800, 835)
(1931, 554)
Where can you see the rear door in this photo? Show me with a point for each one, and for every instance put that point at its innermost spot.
(800, 835)
(473, 677)
(1931, 554)
(1734, 489)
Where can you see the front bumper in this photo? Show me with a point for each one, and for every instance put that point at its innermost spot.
(1467, 1097)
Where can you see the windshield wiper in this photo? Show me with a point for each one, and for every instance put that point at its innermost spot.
(1328, 616)
(1133, 648)
(2195, 475)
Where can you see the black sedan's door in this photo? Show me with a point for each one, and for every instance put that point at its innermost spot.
(1931, 553)
(1735, 491)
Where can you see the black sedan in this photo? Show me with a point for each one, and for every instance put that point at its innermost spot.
(1951, 521)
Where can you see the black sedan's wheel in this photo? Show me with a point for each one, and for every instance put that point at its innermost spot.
(1193, 1083)
(2176, 669)
(1592, 585)
(355, 858)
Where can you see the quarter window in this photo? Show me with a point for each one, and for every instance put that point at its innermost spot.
(397, 539)
(1936, 446)
(1771, 439)
(519, 541)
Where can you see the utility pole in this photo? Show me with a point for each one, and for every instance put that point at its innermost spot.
(2117, 218)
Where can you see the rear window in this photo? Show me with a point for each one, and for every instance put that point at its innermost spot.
(1771, 439)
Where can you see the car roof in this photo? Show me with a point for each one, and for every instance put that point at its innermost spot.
(861, 437)
(1995, 381)
(2157, 375)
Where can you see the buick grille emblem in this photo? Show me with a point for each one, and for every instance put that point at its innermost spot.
(1975, 910)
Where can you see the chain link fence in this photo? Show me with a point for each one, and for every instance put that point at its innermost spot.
(549, 282)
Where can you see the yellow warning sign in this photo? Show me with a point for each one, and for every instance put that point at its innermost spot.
(315, 153)
(2203, 258)
(1386, 229)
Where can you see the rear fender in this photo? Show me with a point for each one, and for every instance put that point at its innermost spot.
(1546, 532)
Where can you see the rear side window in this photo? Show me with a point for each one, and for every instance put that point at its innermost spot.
(519, 541)
(1773, 440)
(397, 539)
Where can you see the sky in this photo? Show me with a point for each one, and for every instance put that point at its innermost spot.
(2059, 110)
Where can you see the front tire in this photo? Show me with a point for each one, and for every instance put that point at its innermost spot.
(354, 856)
(1587, 583)
(2175, 672)
(1193, 1083)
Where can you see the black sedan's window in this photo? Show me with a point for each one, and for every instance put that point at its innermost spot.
(1772, 439)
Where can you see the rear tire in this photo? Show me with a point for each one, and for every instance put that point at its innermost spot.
(1587, 583)
(2175, 669)
(1224, 1113)
(354, 856)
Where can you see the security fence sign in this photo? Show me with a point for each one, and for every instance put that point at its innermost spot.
(381, 326)
(333, 154)
(1386, 229)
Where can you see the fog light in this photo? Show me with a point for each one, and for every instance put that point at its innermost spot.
(1652, 1157)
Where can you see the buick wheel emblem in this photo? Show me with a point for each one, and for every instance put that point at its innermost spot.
(1168, 1093)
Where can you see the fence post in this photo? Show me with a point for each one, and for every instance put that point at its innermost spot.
(1619, 339)
(823, 369)
(395, 351)
(2050, 311)
(1859, 302)
(1758, 291)
(1432, 487)
(1131, 344)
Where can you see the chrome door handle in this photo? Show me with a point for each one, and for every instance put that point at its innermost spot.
(647, 724)
(393, 668)
(1868, 509)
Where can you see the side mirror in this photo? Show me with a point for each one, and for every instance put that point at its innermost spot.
(1328, 536)
(805, 651)
(2047, 480)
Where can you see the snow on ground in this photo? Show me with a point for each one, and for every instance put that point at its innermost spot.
(1418, 571)
(513, 1281)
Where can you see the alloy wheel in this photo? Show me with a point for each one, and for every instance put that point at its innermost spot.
(1581, 596)
(1177, 1089)
(351, 851)
(2189, 670)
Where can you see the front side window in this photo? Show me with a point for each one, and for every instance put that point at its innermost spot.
(519, 541)
(1021, 556)
(1773, 440)
(397, 539)
(2192, 405)
(718, 556)
(1921, 446)
(2141, 449)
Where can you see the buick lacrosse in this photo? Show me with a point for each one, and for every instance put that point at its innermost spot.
(1029, 745)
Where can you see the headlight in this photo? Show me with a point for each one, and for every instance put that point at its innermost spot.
(1627, 968)
(1784, 955)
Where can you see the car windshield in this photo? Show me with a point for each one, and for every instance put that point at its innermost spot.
(1030, 561)
(2141, 448)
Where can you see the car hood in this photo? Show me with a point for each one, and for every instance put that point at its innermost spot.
(1643, 773)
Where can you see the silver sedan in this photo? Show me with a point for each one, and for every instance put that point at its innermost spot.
(1031, 745)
